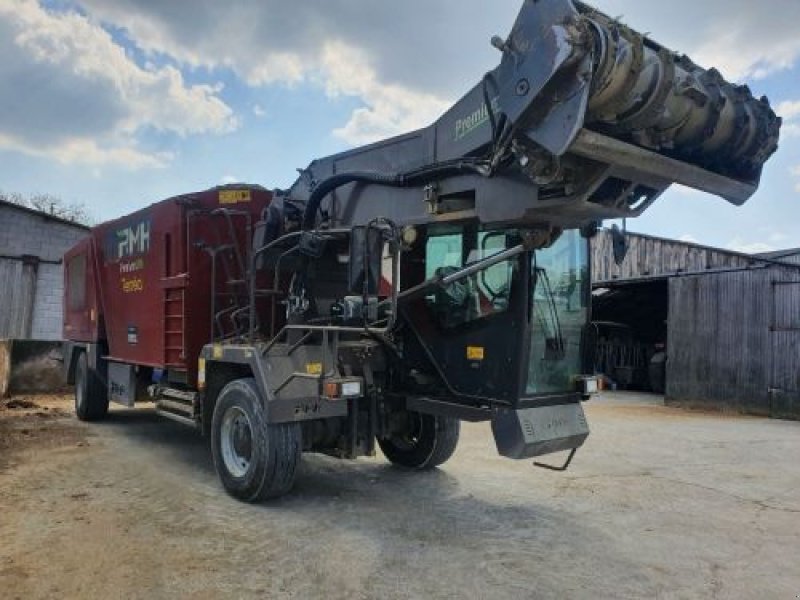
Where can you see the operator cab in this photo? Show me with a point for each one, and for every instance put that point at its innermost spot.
(471, 328)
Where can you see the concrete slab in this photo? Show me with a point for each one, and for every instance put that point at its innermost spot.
(661, 503)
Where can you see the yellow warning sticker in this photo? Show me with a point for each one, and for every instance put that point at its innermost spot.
(234, 196)
(475, 352)
(218, 352)
(314, 368)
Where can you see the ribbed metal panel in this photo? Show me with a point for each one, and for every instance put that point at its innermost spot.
(17, 288)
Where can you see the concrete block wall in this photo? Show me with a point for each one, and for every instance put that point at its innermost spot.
(25, 233)
(47, 305)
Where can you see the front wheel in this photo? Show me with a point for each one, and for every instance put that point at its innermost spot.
(424, 442)
(254, 460)
(91, 396)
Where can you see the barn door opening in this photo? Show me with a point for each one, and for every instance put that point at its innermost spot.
(785, 347)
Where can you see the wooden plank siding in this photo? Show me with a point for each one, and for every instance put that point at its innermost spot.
(733, 326)
(17, 289)
(732, 341)
(785, 341)
(657, 257)
(785, 256)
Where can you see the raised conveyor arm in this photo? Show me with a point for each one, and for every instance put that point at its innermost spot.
(598, 119)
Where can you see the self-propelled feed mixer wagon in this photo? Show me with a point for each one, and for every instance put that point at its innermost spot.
(400, 288)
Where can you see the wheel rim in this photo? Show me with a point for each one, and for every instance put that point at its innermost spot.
(408, 440)
(236, 441)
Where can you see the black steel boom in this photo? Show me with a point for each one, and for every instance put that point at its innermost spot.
(584, 119)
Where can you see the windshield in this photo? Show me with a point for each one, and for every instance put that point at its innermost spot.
(559, 311)
(473, 298)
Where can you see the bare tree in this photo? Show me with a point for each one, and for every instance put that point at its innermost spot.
(77, 212)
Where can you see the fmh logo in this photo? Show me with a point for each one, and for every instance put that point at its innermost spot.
(132, 240)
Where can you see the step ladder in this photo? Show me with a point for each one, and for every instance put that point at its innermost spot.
(174, 328)
(174, 404)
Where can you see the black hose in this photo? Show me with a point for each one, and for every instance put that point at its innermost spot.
(410, 179)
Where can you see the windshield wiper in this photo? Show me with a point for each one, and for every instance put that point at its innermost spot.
(555, 345)
(463, 273)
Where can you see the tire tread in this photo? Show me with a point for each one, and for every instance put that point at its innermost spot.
(281, 451)
(435, 449)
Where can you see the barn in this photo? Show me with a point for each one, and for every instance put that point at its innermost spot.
(708, 327)
(32, 245)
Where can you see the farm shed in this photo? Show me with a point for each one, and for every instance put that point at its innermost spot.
(727, 323)
(32, 245)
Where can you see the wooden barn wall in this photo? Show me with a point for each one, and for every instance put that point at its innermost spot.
(734, 337)
(650, 257)
(785, 342)
(17, 288)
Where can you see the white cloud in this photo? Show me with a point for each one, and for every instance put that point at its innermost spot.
(273, 41)
(688, 238)
(740, 245)
(790, 111)
(340, 45)
(70, 92)
(729, 49)
(778, 237)
(259, 111)
(405, 61)
(82, 151)
(422, 54)
(229, 179)
(389, 110)
(796, 173)
(741, 38)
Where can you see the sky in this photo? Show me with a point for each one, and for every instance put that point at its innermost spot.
(120, 103)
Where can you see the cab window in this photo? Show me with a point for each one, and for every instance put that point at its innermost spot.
(476, 297)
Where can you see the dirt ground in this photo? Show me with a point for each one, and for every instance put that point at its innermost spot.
(660, 503)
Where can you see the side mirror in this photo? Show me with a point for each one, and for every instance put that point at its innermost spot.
(366, 258)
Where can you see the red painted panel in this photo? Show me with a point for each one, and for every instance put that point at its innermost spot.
(150, 276)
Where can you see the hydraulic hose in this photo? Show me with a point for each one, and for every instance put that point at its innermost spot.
(413, 178)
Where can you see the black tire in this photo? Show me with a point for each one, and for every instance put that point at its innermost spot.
(430, 441)
(91, 396)
(254, 460)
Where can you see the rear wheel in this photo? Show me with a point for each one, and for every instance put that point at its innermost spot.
(91, 396)
(425, 442)
(254, 460)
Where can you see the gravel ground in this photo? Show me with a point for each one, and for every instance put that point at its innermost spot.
(660, 503)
